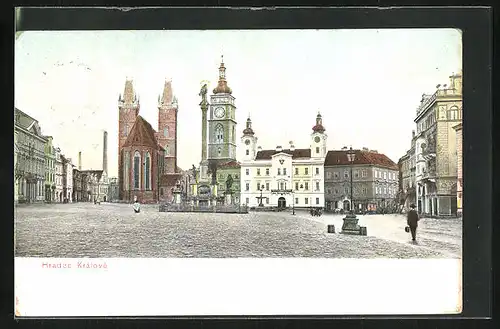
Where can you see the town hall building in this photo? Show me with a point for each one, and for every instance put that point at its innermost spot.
(283, 177)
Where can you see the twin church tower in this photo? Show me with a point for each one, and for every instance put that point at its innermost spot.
(147, 159)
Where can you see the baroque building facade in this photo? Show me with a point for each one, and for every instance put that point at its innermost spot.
(283, 177)
(436, 149)
(375, 180)
(29, 171)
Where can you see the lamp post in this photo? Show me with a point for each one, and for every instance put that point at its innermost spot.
(260, 199)
(351, 156)
(350, 225)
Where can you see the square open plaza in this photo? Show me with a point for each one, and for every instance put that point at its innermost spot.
(114, 230)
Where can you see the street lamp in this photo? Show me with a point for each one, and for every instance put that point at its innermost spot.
(260, 199)
(351, 156)
(350, 225)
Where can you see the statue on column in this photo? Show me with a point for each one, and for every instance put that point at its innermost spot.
(203, 94)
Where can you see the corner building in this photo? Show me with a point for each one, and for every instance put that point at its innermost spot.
(283, 178)
(436, 149)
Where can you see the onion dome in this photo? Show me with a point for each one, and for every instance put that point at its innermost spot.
(222, 87)
(248, 130)
(318, 128)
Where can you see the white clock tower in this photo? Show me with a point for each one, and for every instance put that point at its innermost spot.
(318, 139)
(249, 142)
(222, 122)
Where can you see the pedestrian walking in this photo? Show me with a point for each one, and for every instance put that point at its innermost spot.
(412, 221)
(136, 205)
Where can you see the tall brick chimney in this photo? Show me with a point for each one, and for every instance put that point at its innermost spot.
(80, 161)
(105, 152)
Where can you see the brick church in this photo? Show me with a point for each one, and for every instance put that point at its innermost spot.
(147, 164)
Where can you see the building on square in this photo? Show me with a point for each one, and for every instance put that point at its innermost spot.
(283, 177)
(113, 189)
(229, 170)
(50, 170)
(436, 149)
(29, 172)
(67, 179)
(374, 181)
(458, 129)
(59, 175)
(407, 188)
(147, 158)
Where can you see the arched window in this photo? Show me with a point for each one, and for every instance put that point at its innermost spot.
(219, 151)
(165, 131)
(453, 113)
(167, 151)
(219, 134)
(233, 135)
(126, 170)
(147, 172)
(125, 129)
(137, 170)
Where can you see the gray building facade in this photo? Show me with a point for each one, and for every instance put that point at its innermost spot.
(374, 181)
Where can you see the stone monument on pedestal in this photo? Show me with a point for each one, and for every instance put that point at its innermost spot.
(177, 193)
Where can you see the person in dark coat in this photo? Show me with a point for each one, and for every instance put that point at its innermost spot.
(412, 220)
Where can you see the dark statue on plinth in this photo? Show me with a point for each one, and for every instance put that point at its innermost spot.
(229, 183)
(194, 174)
(212, 169)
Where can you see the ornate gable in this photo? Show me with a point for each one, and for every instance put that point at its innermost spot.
(141, 133)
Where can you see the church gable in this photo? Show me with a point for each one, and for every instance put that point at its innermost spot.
(141, 133)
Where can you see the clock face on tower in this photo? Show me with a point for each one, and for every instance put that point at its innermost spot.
(317, 139)
(219, 112)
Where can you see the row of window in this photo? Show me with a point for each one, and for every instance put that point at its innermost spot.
(282, 186)
(266, 201)
(282, 171)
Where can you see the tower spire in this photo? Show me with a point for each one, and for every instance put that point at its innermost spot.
(222, 87)
(319, 124)
(167, 96)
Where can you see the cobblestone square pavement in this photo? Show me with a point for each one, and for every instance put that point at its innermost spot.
(114, 230)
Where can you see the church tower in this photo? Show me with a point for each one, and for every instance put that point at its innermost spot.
(167, 126)
(128, 107)
(249, 142)
(222, 122)
(128, 110)
(318, 139)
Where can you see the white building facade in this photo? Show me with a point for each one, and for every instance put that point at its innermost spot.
(68, 178)
(59, 176)
(283, 178)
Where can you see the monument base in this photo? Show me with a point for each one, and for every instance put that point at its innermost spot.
(351, 226)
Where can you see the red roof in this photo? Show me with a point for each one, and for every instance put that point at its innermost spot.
(296, 153)
(141, 133)
(319, 128)
(230, 164)
(339, 158)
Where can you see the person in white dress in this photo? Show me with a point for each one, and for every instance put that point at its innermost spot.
(136, 205)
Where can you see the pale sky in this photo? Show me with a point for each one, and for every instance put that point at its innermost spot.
(367, 84)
